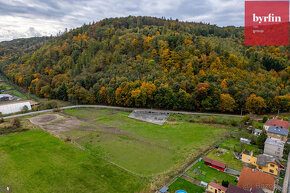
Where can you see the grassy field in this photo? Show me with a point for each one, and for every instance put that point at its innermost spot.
(143, 148)
(227, 158)
(112, 153)
(182, 184)
(208, 174)
(35, 161)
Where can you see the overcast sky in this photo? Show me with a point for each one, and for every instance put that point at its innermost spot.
(27, 18)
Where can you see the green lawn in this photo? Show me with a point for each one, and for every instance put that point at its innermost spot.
(235, 145)
(208, 174)
(182, 184)
(34, 161)
(144, 148)
(227, 158)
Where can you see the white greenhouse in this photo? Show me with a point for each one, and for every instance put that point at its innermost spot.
(14, 107)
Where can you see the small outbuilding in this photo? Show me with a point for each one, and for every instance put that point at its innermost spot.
(164, 189)
(215, 164)
(6, 97)
(202, 183)
(257, 132)
(244, 140)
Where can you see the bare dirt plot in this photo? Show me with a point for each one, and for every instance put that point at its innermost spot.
(45, 119)
(58, 124)
(55, 123)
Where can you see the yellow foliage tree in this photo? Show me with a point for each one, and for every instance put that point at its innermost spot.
(255, 104)
(224, 83)
(135, 43)
(227, 103)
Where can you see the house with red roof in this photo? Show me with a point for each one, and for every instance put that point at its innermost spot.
(215, 188)
(276, 123)
(251, 179)
(215, 164)
(236, 189)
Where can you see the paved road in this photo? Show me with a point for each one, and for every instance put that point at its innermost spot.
(232, 171)
(286, 184)
(118, 108)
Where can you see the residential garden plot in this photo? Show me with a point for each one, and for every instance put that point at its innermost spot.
(143, 148)
(226, 157)
(235, 145)
(202, 172)
(182, 184)
(35, 161)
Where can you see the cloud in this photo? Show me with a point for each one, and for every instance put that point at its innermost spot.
(27, 18)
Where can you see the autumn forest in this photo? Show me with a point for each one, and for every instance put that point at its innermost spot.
(154, 63)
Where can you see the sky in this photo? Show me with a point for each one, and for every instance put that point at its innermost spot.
(29, 18)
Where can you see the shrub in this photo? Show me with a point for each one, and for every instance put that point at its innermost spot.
(245, 119)
(212, 119)
(68, 139)
(205, 119)
(15, 123)
(225, 122)
(35, 108)
(253, 140)
(225, 183)
(265, 118)
(48, 105)
(286, 149)
(25, 109)
(57, 109)
(234, 122)
(261, 139)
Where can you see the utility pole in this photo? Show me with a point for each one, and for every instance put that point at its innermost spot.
(278, 112)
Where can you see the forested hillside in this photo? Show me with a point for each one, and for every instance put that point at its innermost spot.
(12, 51)
(151, 62)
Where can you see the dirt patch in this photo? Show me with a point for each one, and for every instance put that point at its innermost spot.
(55, 123)
(59, 125)
(45, 119)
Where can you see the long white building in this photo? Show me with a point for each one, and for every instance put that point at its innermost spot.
(9, 108)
